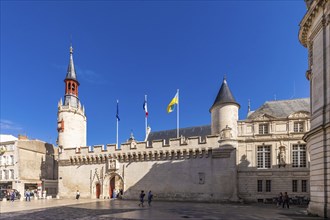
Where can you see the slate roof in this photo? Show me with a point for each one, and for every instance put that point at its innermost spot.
(71, 72)
(277, 109)
(202, 131)
(281, 108)
(224, 96)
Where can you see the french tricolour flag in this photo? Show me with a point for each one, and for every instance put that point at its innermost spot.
(145, 107)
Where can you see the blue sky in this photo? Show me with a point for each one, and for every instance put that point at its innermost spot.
(126, 49)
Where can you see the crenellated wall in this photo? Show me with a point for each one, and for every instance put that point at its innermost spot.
(185, 169)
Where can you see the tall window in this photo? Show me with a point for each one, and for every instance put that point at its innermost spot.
(259, 185)
(268, 185)
(299, 155)
(263, 155)
(11, 160)
(303, 185)
(6, 174)
(264, 128)
(11, 174)
(298, 126)
(294, 185)
(0, 174)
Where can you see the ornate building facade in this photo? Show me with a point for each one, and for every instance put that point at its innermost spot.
(314, 34)
(229, 160)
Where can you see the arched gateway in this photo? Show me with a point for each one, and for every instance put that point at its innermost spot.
(116, 184)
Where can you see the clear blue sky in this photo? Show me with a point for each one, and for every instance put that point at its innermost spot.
(126, 49)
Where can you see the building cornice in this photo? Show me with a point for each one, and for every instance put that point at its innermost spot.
(307, 21)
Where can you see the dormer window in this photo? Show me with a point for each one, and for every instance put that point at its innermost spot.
(264, 128)
(298, 126)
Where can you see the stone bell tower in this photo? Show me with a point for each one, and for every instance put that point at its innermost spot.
(71, 118)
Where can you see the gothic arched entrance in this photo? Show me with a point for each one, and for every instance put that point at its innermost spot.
(98, 190)
(116, 184)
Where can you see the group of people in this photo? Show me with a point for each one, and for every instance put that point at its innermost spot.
(142, 195)
(283, 200)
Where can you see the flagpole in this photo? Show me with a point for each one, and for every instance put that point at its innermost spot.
(146, 118)
(117, 127)
(177, 117)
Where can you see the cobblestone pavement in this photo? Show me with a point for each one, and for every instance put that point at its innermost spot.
(124, 209)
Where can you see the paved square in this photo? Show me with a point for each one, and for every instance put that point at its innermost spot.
(128, 209)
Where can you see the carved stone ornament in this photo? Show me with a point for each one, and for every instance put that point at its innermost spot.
(113, 164)
(299, 115)
(226, 133)
(281, 157)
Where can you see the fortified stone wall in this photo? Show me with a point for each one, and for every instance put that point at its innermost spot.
(207, 170)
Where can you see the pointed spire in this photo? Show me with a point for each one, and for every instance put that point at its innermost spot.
(224, 95)
(71, 73)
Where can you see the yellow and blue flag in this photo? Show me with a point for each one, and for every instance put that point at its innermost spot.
(174, 101)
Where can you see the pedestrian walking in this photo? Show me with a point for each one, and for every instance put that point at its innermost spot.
(12, 196)
(77, 195)
(142, 195)
(27, 195)
(150, 195)
(279, 200)
(285, 200)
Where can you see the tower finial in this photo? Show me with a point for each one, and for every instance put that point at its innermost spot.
(224, 77)
(71, 48)
(249, 105)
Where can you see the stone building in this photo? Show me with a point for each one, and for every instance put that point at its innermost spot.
(314, 34)
(28, 164)
(252, 159)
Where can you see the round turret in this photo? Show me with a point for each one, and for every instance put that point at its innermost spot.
(224, 111)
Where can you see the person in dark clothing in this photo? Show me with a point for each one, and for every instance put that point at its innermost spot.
(150, 195)
(142, 195)
(77, 195)
(285, 200)
(280, 199)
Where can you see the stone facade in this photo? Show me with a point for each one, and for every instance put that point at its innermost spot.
(28, 164)
(314, 34)
(252, 159)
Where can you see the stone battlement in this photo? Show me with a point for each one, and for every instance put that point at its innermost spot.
(158, 148)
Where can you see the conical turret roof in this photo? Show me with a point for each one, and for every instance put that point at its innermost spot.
(224, 96)
(71, 73)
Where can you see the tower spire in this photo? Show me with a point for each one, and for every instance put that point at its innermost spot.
(71, 84)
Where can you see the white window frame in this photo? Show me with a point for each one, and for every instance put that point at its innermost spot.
(11, 159)
(264, 128)
(12, 176)
(299, 155)
(298, 126)
(6, 174)
(264, 157)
